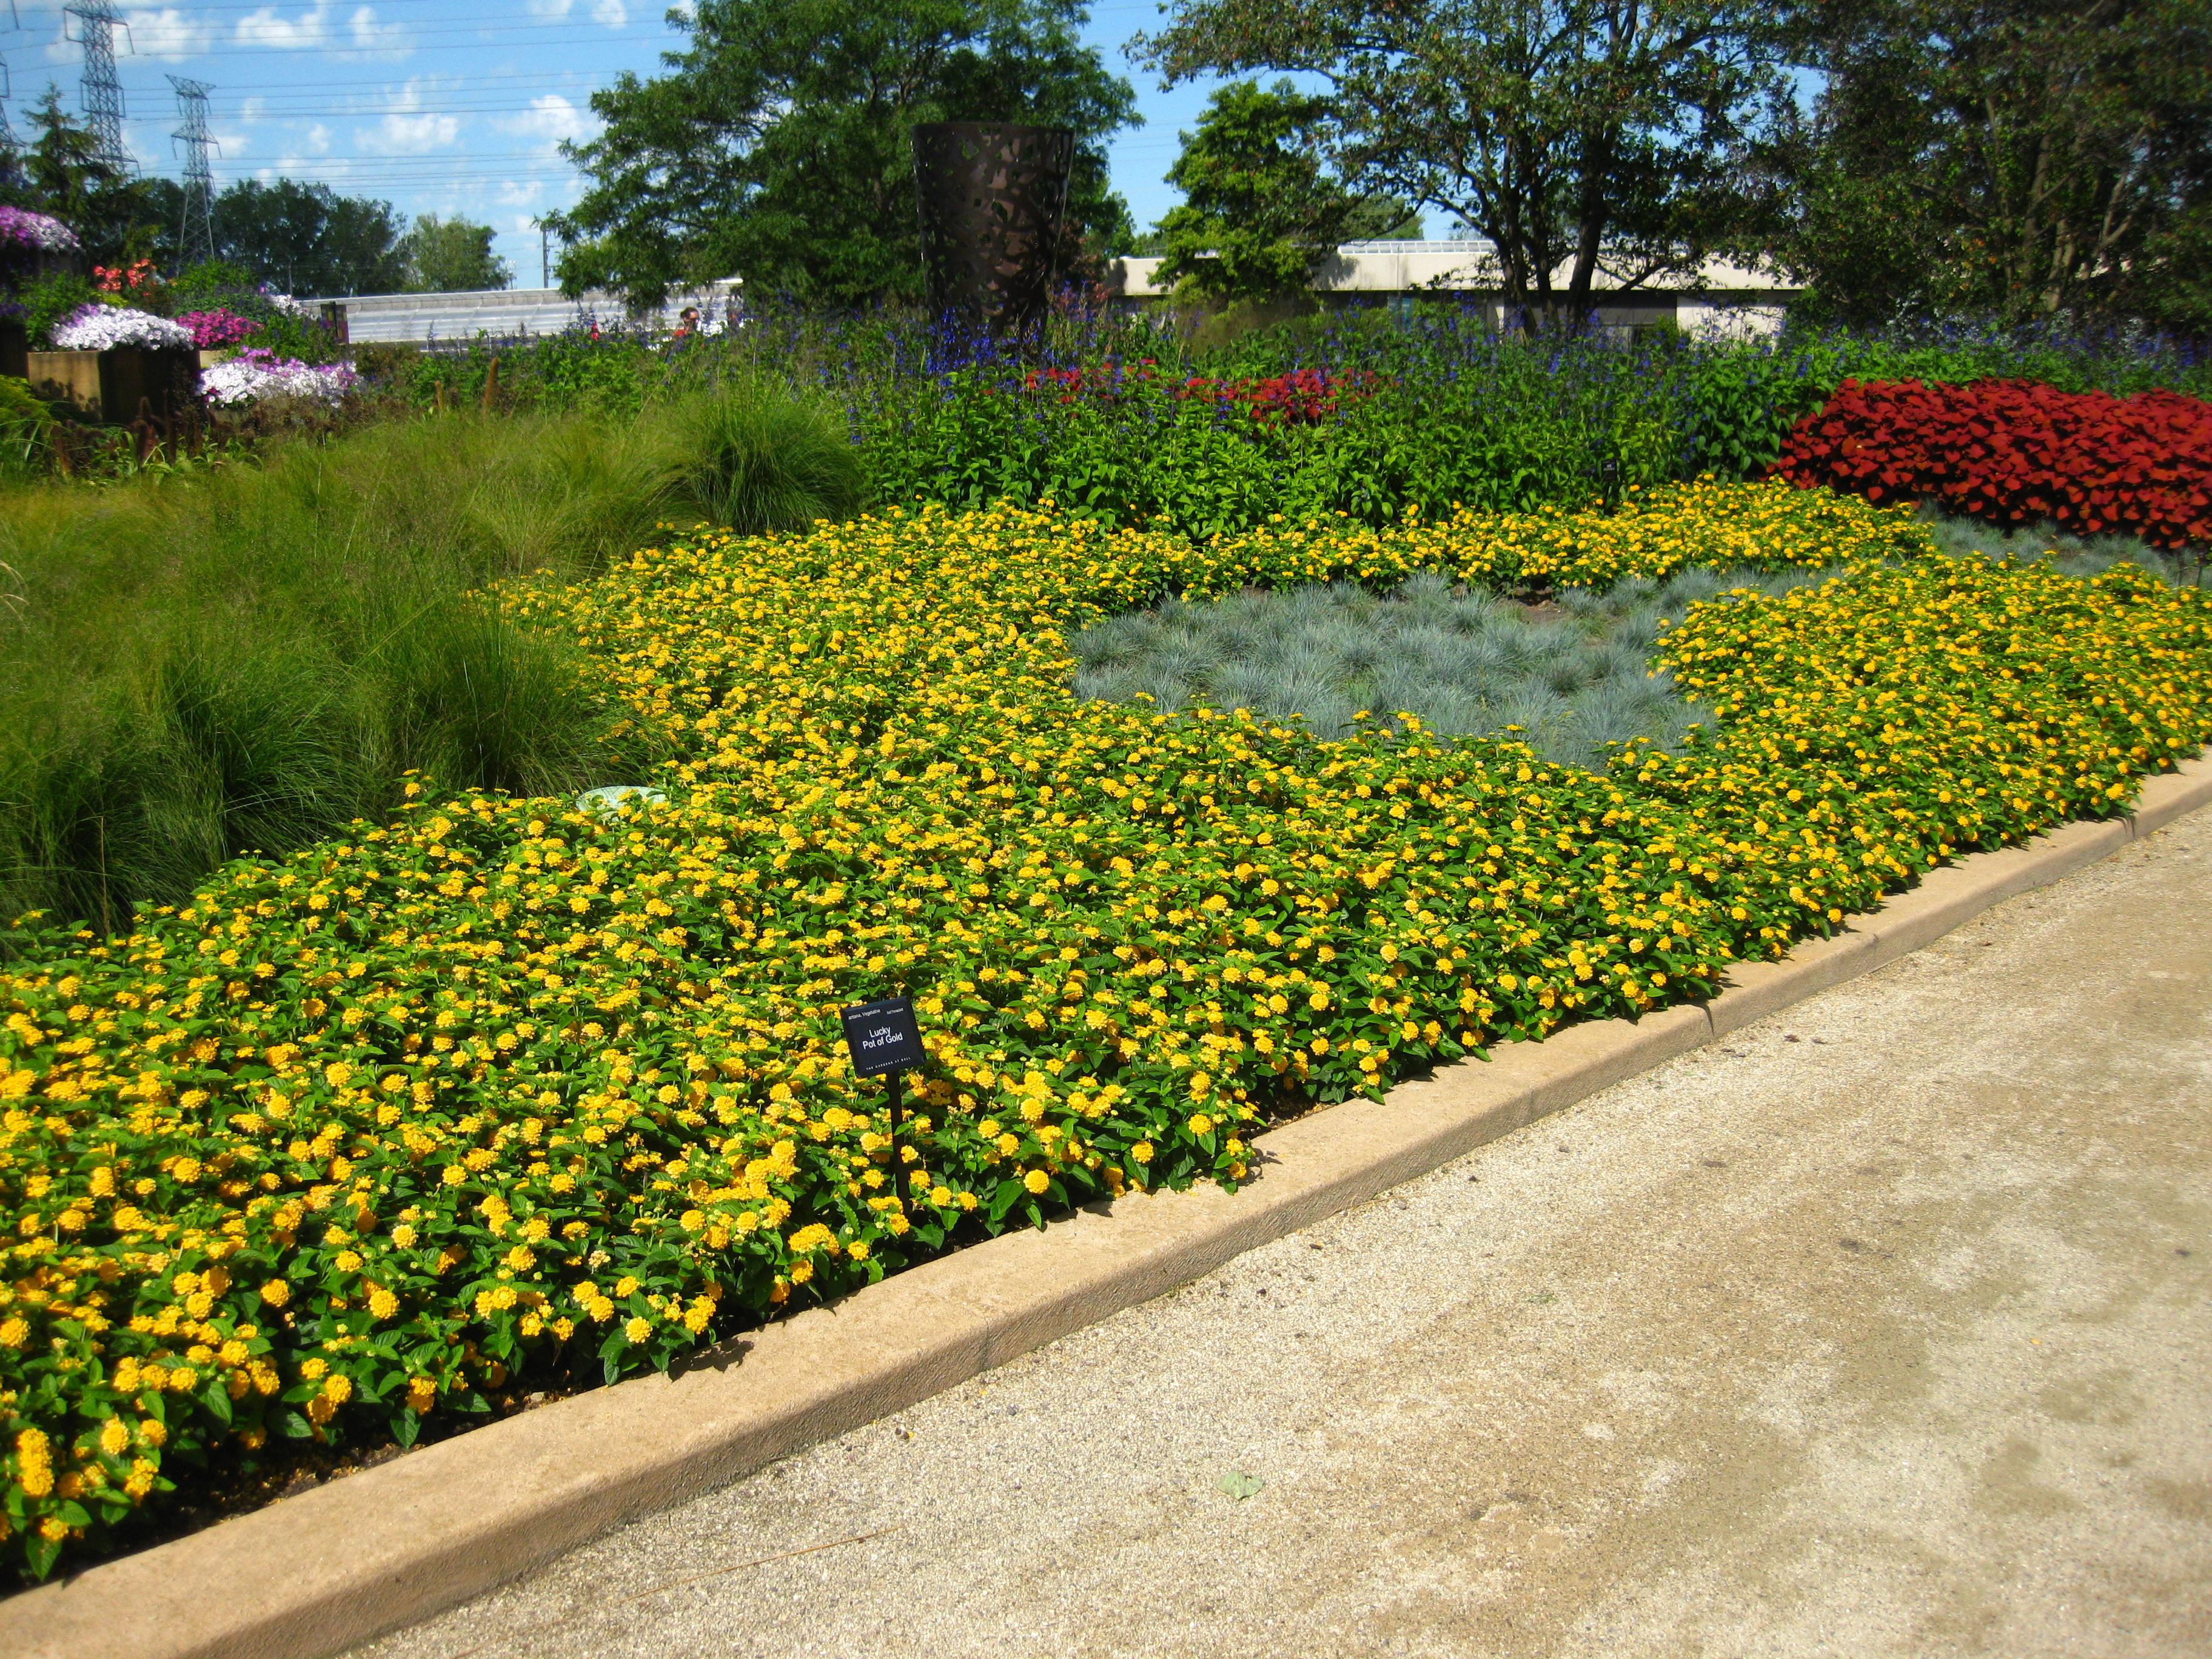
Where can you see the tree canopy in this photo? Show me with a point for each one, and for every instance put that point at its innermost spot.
(59, 171)
(1575, 135)
(778, 146)
(308, 239)
(452, 256)
(2021, 159)
(1260, 211)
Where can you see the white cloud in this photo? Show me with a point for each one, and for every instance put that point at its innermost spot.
(318, 139)
(373, 37)
(411, 134)
(164, 31)
(552, 118)
(269, 28)
(551, 10)
(409, 128)
(612, 14)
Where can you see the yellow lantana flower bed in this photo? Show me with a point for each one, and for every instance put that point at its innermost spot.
(505, 1093)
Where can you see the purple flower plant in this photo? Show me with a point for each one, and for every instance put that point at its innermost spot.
(257, 373)
(26, 229)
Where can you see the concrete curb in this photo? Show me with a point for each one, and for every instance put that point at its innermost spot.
(347, 1561)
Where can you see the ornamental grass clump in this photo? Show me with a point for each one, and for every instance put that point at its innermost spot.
(501, 1093)
(1572, 679)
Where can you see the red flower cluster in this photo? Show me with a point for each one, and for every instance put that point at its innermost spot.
(136, 280)
(1301, 397)
(2014, 452)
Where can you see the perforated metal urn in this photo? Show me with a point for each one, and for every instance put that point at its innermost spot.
(992, 196)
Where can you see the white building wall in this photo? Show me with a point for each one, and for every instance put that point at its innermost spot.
(1727, 300)
(505, 313)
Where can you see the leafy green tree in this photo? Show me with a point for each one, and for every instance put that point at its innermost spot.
(1577, 135)
(779, 148)
(1261, 212)
(2018, 158)
(452, 256)
(60, 172)
(308, 239)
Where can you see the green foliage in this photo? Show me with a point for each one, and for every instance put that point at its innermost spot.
(26, 432)
(2021, 159)
(759, 458)
(306, 238)
(1457, 418)
(1259, 213)
(209, 283)
(778, 147)
(59, 171)
(1559, 131)
(302, 641)
(452, 256)
(51, 298)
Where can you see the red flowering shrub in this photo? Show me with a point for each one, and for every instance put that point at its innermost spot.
(1301, 397)
(2014, 452)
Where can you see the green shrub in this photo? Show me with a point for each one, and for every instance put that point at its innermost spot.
(49, 300)
(26, 430)
(758, 457)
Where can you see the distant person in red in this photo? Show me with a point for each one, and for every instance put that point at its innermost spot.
(687, 324)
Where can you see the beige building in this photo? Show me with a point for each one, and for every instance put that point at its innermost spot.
(1727, 299)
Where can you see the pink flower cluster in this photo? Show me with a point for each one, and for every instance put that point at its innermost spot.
(213, 330)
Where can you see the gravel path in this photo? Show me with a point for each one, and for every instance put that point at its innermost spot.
(1885, 1328)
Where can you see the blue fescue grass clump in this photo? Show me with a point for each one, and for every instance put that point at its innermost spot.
(1574, 677)
(2074, 555)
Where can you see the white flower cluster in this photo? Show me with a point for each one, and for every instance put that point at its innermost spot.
(257, 374)
(286, 306)
(104, 328)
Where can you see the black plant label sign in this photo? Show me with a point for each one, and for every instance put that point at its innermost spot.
(882, 1036)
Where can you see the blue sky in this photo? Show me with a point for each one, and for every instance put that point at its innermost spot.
(439, 105)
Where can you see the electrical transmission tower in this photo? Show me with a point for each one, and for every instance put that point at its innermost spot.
(196, 235)
(103, 93)
(9, 147)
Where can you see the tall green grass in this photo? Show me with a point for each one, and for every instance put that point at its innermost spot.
(245, 660)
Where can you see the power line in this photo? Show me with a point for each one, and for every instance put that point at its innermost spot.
(196, 235)
(103, 92)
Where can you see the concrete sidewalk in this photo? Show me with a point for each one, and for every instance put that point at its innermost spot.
(1883, 1327)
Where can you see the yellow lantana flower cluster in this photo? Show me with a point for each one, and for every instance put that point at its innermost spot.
(507, 1090)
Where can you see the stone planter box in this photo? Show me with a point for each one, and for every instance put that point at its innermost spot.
(15, 348)
(164, 380)
(72, 376)
(108, 386)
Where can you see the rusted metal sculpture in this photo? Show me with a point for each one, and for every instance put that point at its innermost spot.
(992, 196)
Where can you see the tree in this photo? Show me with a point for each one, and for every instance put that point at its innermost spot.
(1579, 135)
(1259, 212)
(60, 172)
(308, 239)
(452, 256)
(2015, 158)
(779, 146)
